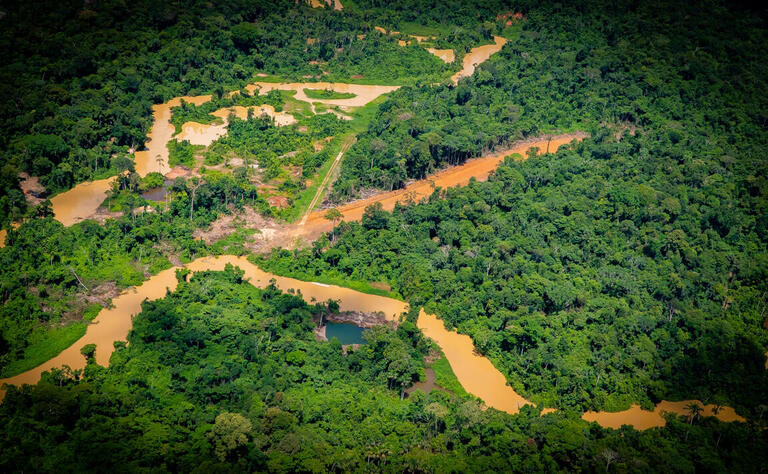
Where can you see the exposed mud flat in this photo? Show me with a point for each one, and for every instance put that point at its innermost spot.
(32, 189)
(360, 319)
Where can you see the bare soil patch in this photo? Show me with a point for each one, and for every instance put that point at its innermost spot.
(34, 192)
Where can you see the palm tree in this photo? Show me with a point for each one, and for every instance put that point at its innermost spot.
(694, 410)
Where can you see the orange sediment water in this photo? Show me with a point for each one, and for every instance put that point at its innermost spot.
(205, 134)
(113, 324)
(320, 3)
(479, 168)
(155, 157)
(477, 56)
(363, 93)
(80, 202)
(643, 419)
(477, 374)
(446, 55)
(481, 378)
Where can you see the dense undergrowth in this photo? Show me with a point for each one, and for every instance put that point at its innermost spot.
(628, 268)
(80, 80)
(221, 376)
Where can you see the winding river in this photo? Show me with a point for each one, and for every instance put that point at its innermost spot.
(475, 372)
(478, 168)
(477, 56)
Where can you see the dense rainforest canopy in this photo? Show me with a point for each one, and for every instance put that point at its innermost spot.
(80, 80)
(628, 268)
(221, 376)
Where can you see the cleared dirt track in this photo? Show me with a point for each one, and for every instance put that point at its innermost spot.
(478, 168)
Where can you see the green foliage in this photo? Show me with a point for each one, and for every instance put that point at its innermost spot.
(445, 378)
(629, 268)
(42, 345)
(42, 257)
(327, 94)
(182, 153)
(152, 181)
(229, 433)
(551, 272)
(89, 352)
(209, 382)
(76, 110)
(187, 112)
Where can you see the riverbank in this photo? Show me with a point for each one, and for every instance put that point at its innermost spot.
(479, 168)
(477, 375)
(113, 324)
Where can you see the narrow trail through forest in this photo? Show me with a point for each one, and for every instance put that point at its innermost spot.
(321, 189)
(478, 168)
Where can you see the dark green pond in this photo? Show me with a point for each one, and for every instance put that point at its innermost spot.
(345, 333)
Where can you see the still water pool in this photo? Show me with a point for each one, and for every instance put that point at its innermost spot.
(345, 333)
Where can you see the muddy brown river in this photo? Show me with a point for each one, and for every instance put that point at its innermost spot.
(477, 56)
(476, 373)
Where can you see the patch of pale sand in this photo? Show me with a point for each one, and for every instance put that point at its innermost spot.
(280, 202)
(478, 55)
(266, 234)
(446, 55)
(205, 134)
(338, 114)
(421, 39)
(281, 118)
(363, 93)
(143, 209)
